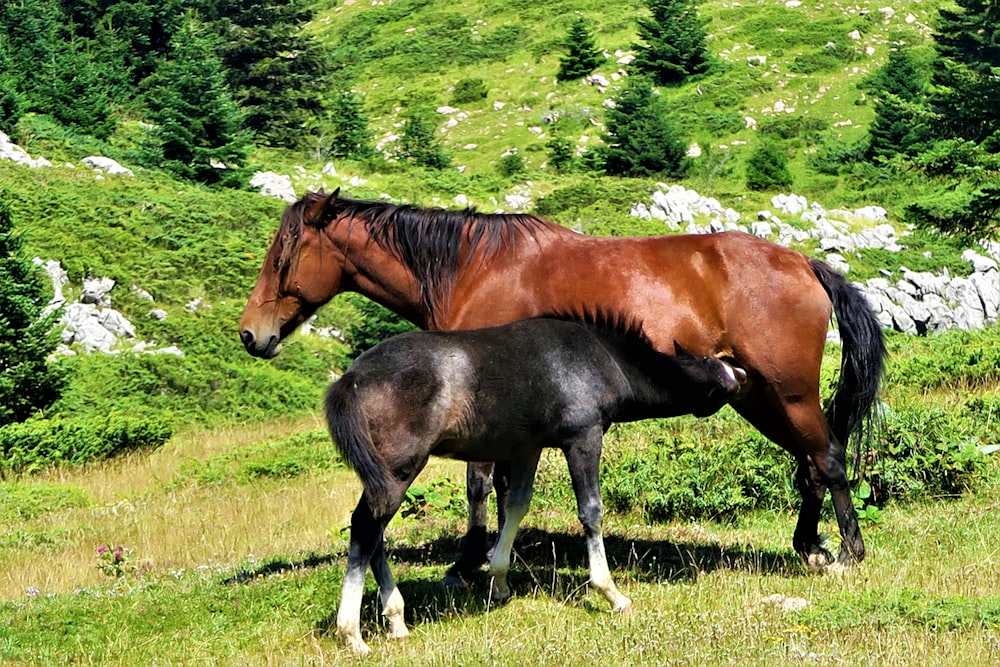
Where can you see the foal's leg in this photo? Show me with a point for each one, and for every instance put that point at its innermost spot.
(366, 539)
(583, 456)
(392, 600)
(478, 484)
(522, 480)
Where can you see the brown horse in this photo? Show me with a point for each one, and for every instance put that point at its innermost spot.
(757, 305)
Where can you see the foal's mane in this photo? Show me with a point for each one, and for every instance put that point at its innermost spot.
(621, 332)
(430, 242)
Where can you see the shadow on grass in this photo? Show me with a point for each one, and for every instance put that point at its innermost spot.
(641, 560)
(548, 564)
(278, 566)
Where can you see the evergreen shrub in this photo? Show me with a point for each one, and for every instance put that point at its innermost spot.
(40, 443)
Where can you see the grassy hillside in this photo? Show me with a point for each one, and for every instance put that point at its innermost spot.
(235, 530)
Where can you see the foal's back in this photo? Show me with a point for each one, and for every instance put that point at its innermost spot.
(489, 394)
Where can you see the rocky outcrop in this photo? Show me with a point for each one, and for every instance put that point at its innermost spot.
(90, 324)
(915, 303)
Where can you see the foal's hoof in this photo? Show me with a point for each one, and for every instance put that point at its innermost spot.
(355, 644)
(454, 580)
(623, 606)
(499, 591)
(818, 559)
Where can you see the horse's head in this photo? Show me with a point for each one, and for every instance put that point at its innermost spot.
(714, 382)
(302, 271)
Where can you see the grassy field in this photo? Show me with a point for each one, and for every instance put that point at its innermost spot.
(236, 557)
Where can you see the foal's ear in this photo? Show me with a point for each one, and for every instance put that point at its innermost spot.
(680, 351)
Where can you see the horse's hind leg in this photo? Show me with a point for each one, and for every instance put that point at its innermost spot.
(584, 459)
(392, 600)
(366, 539)
(801, 428)
(522, 481)
(829, 471)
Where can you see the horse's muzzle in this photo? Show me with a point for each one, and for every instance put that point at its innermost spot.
(265, 349)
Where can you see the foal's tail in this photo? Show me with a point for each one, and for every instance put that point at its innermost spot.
(349, 429)
(852, 409)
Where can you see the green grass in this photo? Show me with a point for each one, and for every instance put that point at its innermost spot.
(703, 594)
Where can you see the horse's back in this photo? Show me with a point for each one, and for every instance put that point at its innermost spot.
(484, 394)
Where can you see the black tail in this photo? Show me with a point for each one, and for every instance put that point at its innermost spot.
(349, 430)
(852, 408)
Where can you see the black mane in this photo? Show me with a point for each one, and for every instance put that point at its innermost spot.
(428, 241)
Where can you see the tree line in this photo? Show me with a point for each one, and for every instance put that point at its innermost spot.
(207, 76)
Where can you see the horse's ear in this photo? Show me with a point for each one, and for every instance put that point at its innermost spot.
(321, 212)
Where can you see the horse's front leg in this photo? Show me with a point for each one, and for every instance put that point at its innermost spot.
(479, 484)
(583, 455)
(522, 481)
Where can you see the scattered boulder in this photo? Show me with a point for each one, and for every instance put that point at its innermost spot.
(106, 165)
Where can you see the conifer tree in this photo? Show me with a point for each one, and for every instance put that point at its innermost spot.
(274, 69)
(28, 383)
(351, 136)
(418, 144)
(640, 139)
(675, 42)
(966, 74)
(900, 116)
(582, 55)
(197, 133)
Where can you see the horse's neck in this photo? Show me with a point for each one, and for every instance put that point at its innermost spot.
(376, 274)
(652, 388)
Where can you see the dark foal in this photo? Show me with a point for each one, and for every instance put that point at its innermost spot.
(500, 394)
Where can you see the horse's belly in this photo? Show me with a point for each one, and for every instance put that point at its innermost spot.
(497, 445)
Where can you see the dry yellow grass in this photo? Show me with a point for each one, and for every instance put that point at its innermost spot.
(172, 526)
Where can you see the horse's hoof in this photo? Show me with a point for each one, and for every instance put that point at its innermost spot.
(623, 607)
(499, 592)
(356, 645)
(819, 561)
(399, 634)
(452, 580)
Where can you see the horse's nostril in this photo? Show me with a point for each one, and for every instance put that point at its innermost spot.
(246, 336)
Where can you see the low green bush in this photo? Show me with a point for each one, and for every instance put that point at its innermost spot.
(36, 444)
(925, 453)
(686, 469)
(468, 91)
(20, 502)
(282, 458)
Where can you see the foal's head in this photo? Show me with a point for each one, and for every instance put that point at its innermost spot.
(707, 383)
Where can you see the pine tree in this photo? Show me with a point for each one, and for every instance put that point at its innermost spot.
(582, 56)
(675, 42)
(560, 150)
(640, 139)
(351, 136)
(966, 74)
(51, 71)
(901, 118)
(274, 69)
(197, 133)
(418, 144)
(27, 382)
